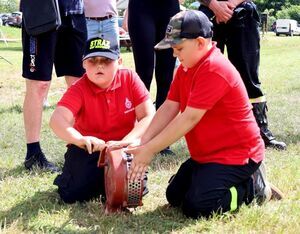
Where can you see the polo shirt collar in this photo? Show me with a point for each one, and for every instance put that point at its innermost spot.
(96, 89)
(204, 58)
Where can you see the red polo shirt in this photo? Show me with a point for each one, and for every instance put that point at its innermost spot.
(228, 132)
(108, 114)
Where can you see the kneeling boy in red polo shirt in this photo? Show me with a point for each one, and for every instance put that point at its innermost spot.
(208, 104)
(108, 105)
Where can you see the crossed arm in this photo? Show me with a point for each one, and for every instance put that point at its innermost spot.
(223, 10)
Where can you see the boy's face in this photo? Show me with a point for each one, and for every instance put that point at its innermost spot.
(101, 71)
(188, 52)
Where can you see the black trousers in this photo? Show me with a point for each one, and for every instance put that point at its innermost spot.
(81, 180)
(147, 22)
(241, 37)
(201, 189)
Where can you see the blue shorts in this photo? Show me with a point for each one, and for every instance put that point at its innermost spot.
(64, 48)
(108, 29)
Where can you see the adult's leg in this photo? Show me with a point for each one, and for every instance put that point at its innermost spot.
(164, 59)
(241, 37)
(36, 91)
(243, 46)
(141, 27)
(93, 28)
(70, 80)
(110, 30)
(219, 30)
(107, 29)
(218, 188)
(38, 53)
(81, 179)
(71, 38)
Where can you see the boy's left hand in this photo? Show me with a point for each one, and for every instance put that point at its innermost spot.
(142, 157)
(122, 144)
(116, 144)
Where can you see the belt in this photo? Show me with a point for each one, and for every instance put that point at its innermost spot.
(99, 18)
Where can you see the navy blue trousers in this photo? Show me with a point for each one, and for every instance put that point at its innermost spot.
(81, 180)
(240, 35)
(202, 189)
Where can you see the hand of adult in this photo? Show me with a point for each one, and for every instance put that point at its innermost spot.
(236, 2)
(125, 20)
(223, 10)
(142, 157)
(91, 144)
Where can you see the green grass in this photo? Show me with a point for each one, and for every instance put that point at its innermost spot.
(10, 32)
(29, 202)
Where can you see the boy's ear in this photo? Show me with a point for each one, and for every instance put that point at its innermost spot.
(120, 61)
(201, 42)
(84, 64)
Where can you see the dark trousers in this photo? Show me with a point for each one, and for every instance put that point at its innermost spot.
(201, 189)
(81, 179)
(241, 37)
(147, 22)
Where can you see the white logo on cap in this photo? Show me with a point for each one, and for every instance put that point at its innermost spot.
(169, 29)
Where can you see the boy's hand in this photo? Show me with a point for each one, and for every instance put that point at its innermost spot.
(122, 144)
(91, 144)
(117, 144)
(142, 157)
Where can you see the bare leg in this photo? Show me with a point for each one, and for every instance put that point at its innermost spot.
(70, 80)
(36, 91)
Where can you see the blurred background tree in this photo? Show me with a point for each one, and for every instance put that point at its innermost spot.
(279, 9)
(292, 12)
(9, 5)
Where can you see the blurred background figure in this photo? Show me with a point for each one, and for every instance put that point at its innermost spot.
(236, 27)
(64, 48)
(102, 19)
(147, 24)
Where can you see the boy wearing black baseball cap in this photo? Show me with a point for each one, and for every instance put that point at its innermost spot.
(107, 106)
(208, 105)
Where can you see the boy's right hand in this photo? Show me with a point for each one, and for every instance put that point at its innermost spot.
(142, 157)
(91, 144)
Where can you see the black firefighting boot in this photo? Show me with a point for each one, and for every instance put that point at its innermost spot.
(260, 112)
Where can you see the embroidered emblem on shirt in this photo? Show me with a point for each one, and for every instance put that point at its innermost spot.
(128, 103)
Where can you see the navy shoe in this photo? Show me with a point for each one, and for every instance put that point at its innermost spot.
(279, 145)
(167, 151)
(263, 190)
(39, 160)
(260, 113)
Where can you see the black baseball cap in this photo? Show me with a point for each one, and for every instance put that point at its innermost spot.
(101, 47)
(188, 24)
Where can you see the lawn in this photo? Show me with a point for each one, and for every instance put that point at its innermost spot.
(29, 202)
